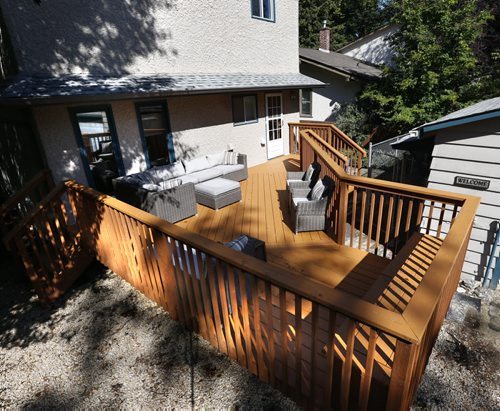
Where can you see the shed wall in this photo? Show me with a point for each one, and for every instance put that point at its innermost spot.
(472, 150)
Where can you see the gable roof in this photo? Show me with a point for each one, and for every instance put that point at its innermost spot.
(483, 110)
(480, 111)
(101, 87)
(340, 64)
(370, 36)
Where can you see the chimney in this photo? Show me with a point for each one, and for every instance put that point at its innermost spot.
(324, 38)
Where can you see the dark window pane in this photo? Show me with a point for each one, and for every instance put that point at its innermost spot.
(244, 109)
(306, 102)
(267, 12)
(238, 110)
(154, 129)
(256, 8)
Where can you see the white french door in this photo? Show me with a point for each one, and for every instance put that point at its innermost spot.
(274, 122)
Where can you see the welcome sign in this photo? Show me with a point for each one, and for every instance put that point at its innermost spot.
(474, 183)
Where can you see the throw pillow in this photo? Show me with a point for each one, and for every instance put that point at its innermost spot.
(317, 191)
(231, 158)
(196, 164)
(216, 159)
(151, 187)
(167, 185)
(309, 173)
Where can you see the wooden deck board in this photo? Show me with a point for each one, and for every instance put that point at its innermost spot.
(263, 213)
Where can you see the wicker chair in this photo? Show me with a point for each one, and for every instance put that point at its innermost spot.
(298, 179)
(308, 214)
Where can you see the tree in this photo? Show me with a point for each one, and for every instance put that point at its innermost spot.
(348, 20)
(436, 70)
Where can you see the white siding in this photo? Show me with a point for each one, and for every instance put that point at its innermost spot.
(375, 49)
(472, 150)
(150, 36)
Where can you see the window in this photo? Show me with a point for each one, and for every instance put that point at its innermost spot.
(306, 102)
(155, 133)
(99, 148)
(245, 109)
(263, 9)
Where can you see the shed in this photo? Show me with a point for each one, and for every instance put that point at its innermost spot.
(466, 159)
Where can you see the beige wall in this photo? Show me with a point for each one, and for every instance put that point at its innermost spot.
(201, 125)
(471, 150)
(204, 125)
(339, 90)
(150, 36)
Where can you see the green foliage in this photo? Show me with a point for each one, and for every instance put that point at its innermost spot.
(348, 20)
(436, 70)
(352, 121)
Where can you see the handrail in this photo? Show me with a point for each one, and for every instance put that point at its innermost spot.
(332, 126)
(429, 290)
(353, 307)
(343, 158)
(42, 176)
(60, 187)
(383, 185)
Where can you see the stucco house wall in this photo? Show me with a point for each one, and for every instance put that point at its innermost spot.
(471, 150)
(204, 125)
(200, 125)
(148, 36)
(340, 90)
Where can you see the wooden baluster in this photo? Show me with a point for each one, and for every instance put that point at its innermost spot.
(353, 215)
(330, 360)
(284, 340)
(244, 284)
(240, 352)
(347, 366)
(362, 218)
(379, 221)
(270, 334)
(397, 226)
(259, 343)
(441, 218)
(216, 309)
(430, 218)
(388, 224)
(370, 221)
(366, 378)
(298, 346)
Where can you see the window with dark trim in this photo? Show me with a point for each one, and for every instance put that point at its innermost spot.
(263, 9)
(306, 102)
(154, 130)
(245, 109)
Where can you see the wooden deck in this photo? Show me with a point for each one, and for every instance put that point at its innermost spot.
(263, 213)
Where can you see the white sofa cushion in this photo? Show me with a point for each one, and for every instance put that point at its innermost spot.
(231, 157)
(164, 173)
(216, 159)
(152, 187)
(189, 178)
(216, 186)
(207, 174)
(166, 185)
(196, 164)
(226, 169)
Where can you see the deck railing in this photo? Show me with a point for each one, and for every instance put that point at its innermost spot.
(322, 346)
(335, 137)
(24, 201)
(388, 214)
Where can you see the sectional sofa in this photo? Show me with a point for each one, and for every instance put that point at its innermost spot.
(169, 191)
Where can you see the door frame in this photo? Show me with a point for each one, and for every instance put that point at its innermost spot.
(79, 139)
(267, 124)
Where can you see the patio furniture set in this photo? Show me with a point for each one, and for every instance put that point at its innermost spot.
(172, 191)
(308, 198)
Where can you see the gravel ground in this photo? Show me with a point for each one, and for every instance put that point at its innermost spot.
(106, 345)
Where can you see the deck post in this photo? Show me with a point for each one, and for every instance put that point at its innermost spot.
(342, 212)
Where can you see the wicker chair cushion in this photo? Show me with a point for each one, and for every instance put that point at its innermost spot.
(298, 200)
(309, 173)
(226, 169)
(207, 174)
(317, 191)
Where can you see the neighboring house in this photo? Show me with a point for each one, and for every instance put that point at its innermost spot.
(344, 75)
(144, 83)
(466, 159)
(374, 48)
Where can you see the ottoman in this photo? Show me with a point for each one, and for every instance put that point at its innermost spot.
(217, 193)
